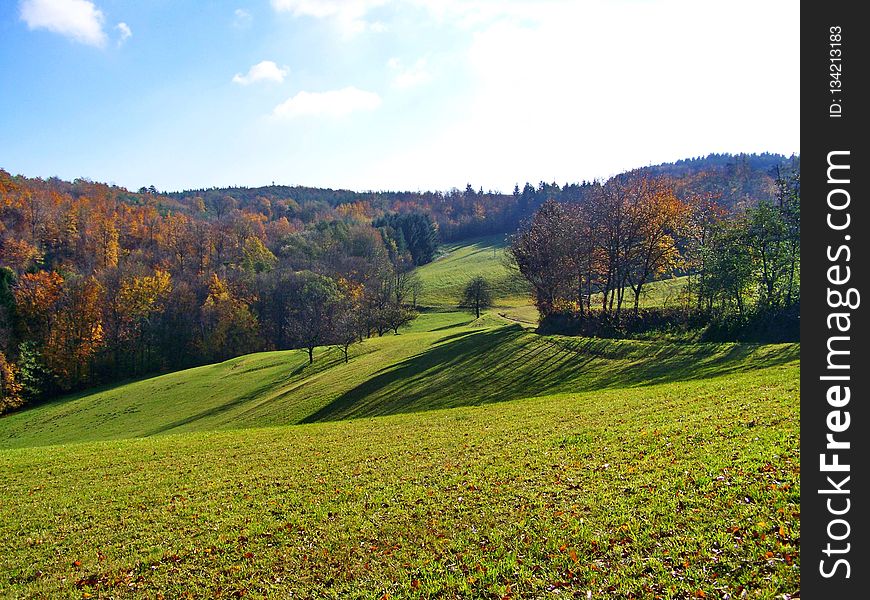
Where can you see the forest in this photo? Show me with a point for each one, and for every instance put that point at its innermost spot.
(100, 284)
(742, 265)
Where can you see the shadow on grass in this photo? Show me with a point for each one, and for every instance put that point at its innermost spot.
(452, 326)
(507, 363)
(303, 372)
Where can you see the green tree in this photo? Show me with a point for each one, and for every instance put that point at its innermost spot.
(256, 258)
(315, 301)
(35, 378)
(414, 231)
(729, 266)
(476, 296)
(767, 239)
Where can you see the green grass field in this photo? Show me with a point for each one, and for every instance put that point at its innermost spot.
(445, 278)
(446, 360)
(460, 459)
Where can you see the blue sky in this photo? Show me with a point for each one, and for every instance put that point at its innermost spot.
(389, 94)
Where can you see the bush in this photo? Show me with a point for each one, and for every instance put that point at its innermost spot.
(761, 325)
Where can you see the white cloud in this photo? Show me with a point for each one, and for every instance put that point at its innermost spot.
(266, 70)
(334, 103)
(583, 90)
(124, 32)
(349, 14)
(465, 13)
(242, 18)
(412, 76)
(79, 20)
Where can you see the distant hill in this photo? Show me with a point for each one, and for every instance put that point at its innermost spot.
(734, 180)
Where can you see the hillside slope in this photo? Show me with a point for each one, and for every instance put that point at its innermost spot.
(444, 279)
(462, 458)
(676, 490)
(444, 360)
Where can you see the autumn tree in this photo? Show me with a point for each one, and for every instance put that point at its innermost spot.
(617, 220)
(230, 329)
(98, 282)
(37, 296)
(138, 302)
(661, 218)
(20, 255)
(539, 251)
(10, 386)
(582, 257)
(107, 249)
(77, 332)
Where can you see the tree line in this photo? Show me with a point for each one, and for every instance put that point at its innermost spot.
(95, 288)
(469, 211)
(592, 260)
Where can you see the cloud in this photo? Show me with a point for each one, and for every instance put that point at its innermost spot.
(558, 95)
(266, 70)
(412, 76)
(349, 14)
(79, 20)
(334, 103)
(125, 32)
(241, 18)
(352, 14)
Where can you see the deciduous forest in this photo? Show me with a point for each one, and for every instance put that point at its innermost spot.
(100, 284)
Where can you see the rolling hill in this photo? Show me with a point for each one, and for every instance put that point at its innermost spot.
(463, 458)
(445, 360)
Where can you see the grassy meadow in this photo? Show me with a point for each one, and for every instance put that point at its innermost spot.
(444, 278)
(463, 458)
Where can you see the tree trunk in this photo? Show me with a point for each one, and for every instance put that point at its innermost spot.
(637, 299)
(790, 276)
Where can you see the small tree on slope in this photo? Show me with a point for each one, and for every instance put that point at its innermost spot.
(476, 295)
